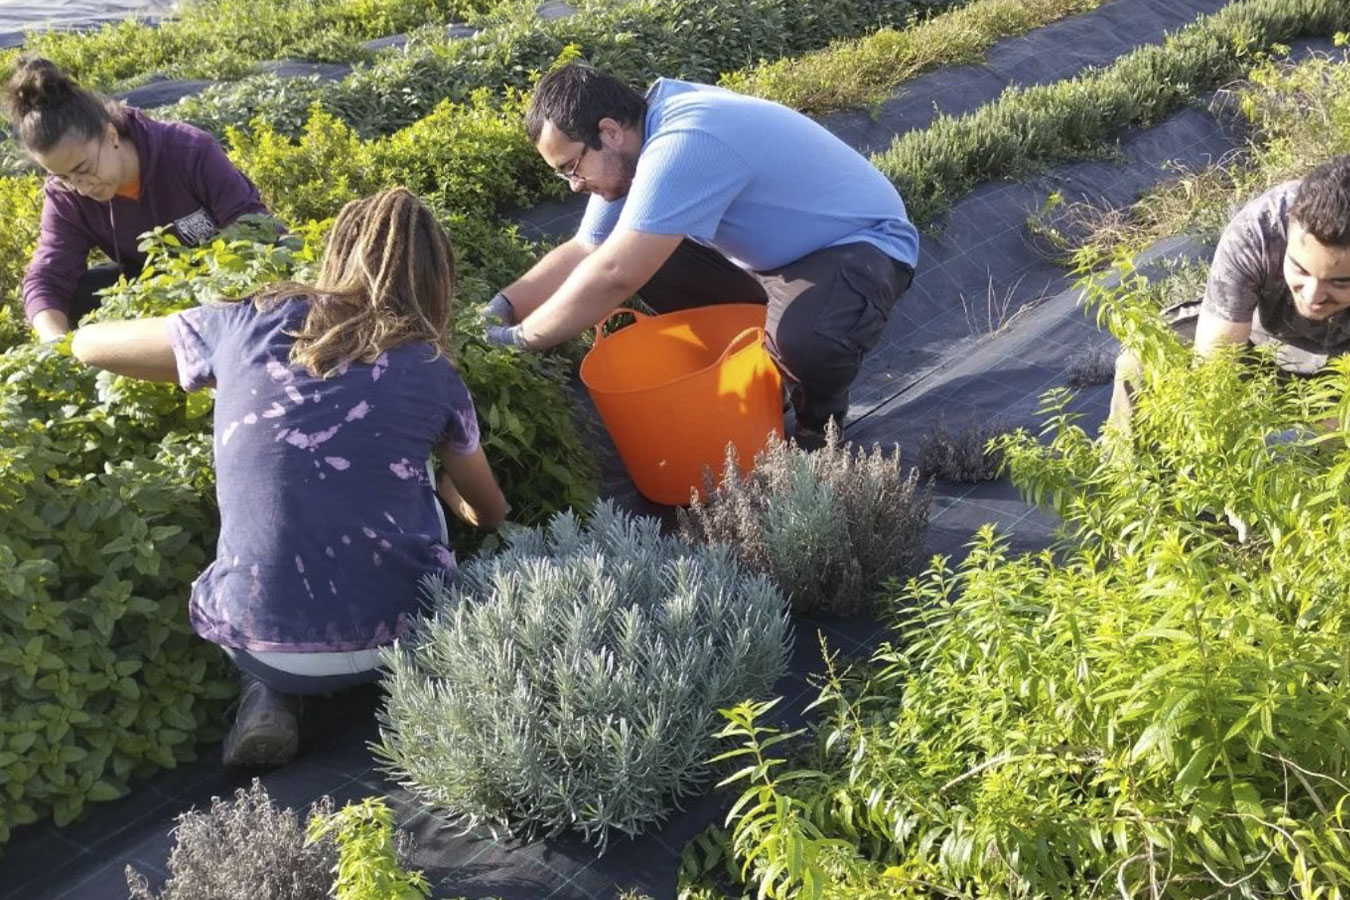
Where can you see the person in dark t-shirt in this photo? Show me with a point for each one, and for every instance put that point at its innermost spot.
(1280, 277)
(330, 399)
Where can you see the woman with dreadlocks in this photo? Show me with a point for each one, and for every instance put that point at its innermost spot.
(330, 400)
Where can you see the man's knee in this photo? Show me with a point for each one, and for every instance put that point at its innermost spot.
(1128, 372)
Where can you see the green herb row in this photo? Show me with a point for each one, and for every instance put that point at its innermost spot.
(864, 72)
(225, 39)
(696, 39)
(1037, 126)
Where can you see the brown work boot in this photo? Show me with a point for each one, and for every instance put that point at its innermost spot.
(266, 731)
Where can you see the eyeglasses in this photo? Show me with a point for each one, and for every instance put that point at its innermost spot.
(570, 175)
(71, 180)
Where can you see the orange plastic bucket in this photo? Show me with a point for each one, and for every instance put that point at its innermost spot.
(673, 390)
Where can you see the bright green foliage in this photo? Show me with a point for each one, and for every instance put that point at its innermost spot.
(225, 38)
(781, 849)
(471, 160)
(368, 866)
(102, 679)
(1159, 704)
(828, 526)
(20, 209)
(106, 517)
(1029, 127)
(310, 177)
(571, 682)
(638, 41)
(864, 72)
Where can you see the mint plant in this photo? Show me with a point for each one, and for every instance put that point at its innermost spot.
(572, 681)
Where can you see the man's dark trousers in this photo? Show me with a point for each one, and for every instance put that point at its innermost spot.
(826, 310)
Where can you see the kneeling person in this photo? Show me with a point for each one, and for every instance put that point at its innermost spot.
(329, 400)
(702, 196)
(1280, 277)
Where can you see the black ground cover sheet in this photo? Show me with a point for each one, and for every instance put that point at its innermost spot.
(949, 353)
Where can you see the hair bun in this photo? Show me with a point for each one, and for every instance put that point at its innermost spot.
(38, 85)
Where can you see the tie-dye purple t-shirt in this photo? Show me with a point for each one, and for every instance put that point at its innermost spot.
(328, 518)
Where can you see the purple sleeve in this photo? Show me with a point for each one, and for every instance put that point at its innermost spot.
(61, 258)
(224, 190)
(461, 427)
(191, 335)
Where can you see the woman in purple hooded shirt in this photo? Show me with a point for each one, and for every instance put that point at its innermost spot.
(115, 174)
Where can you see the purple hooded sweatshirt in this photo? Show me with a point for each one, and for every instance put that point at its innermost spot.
(187, 182)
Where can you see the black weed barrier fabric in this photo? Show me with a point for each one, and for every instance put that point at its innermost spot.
(953, 351)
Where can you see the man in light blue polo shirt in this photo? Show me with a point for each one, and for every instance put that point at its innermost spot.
(701, 196)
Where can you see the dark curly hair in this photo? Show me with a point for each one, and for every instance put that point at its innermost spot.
(45, 105)
(575, 97)
(1322, 204)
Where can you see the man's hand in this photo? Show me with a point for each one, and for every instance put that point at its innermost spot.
(499, 311)
(505, 336)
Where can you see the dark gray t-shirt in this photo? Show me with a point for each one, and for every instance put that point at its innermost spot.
(1246, 284)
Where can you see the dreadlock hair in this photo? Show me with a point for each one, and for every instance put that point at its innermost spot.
(45, 105)
(387, 279)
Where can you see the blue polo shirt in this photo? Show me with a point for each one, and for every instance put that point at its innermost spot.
(759, 182)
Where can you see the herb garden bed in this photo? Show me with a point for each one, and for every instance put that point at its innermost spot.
(954, 345)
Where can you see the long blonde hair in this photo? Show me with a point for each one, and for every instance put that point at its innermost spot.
(387, 279)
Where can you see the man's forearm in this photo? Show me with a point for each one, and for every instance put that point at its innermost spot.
(582, 301)
(528, 292)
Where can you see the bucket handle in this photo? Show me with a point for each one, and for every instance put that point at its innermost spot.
(747, 337)
(600, 326)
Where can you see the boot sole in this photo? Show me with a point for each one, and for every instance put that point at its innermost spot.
(267, 743)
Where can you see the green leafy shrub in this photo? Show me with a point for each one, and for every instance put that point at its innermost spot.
(1152, 704)
(245, 850)
(470, 160)
(572, 680)
(102, 678)
(225, 38)
(21, 209)
(1035, 126)
(828, 526)
(694, 39)
(311, 177)
(370, 854)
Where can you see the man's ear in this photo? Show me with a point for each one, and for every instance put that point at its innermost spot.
(612, 134)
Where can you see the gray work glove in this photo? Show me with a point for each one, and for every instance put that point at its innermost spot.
(505, 336)
(499, 311)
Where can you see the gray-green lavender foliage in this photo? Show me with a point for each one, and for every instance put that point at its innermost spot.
(962, 452)
(572, 681)
(830, 526)
(248, 849)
